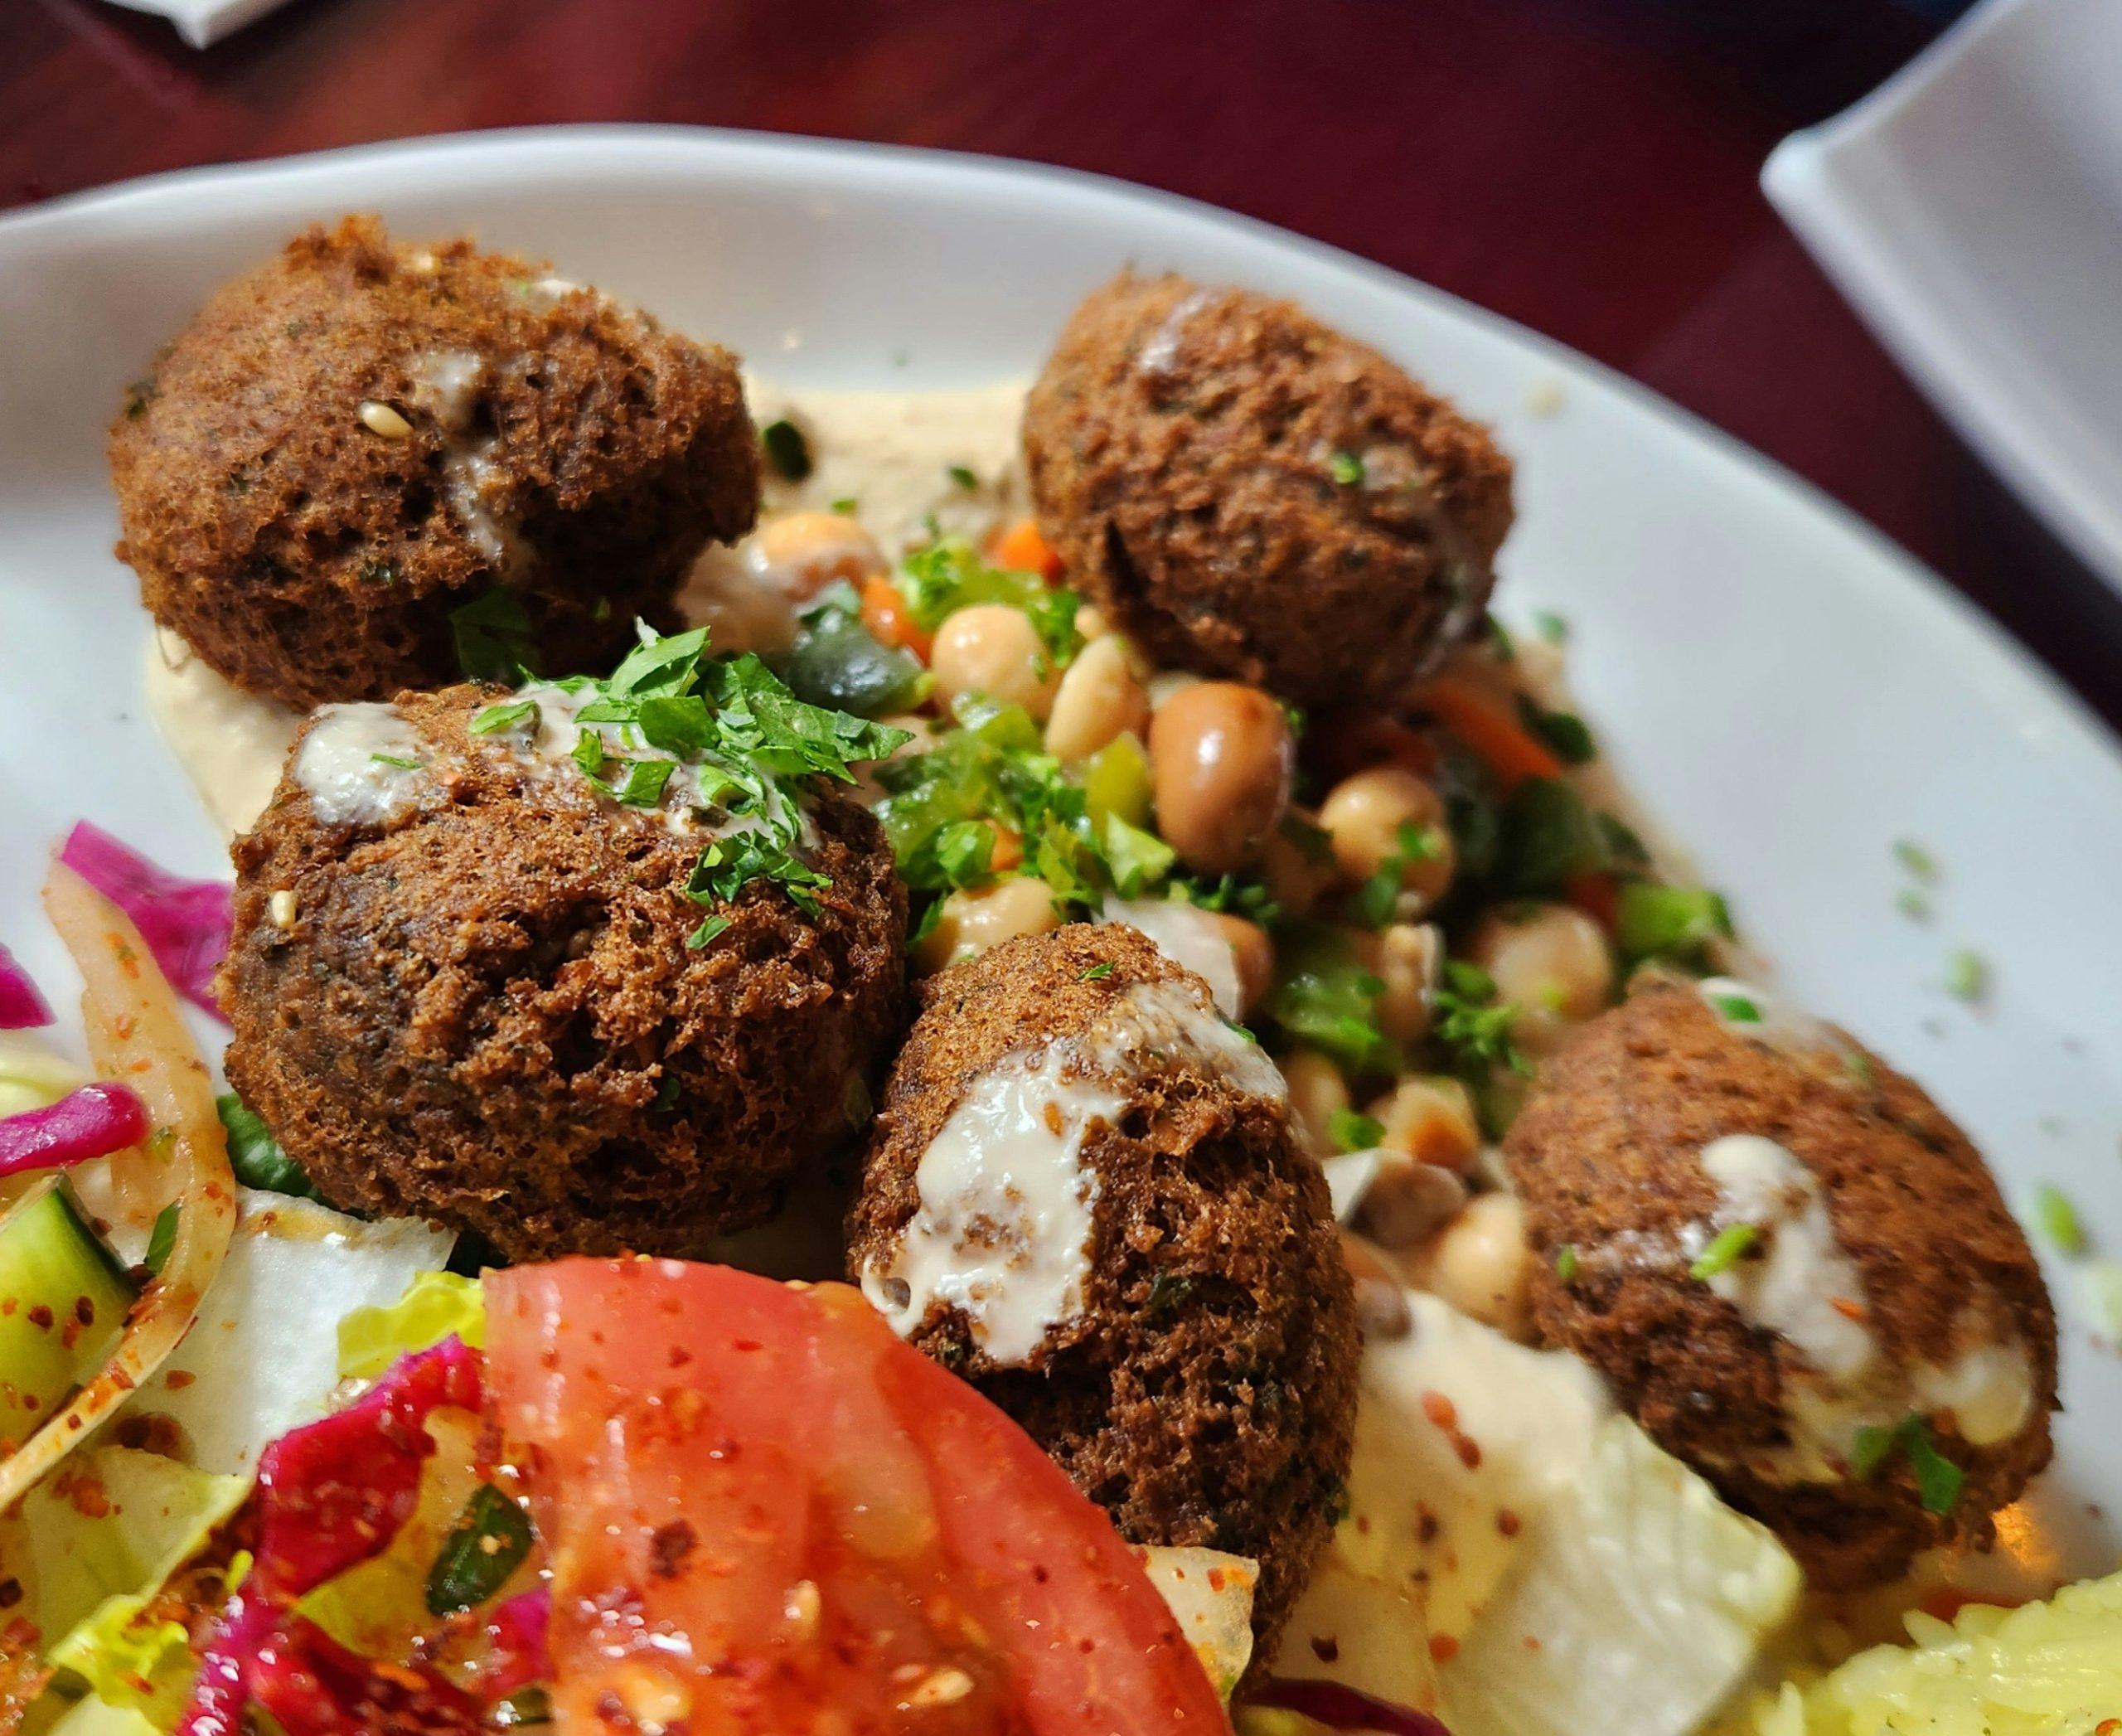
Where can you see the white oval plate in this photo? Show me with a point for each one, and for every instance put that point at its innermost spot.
(1789, 693)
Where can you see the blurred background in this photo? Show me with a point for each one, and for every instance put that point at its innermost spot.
(1589, 168)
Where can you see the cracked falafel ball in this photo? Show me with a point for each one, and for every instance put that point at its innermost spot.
(1794, 1271)
(1082, 1194)
(461, 988)
(349, 443)
(1250, 494)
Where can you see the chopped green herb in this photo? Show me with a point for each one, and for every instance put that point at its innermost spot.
(161, 1240)
(1563, 731)
(508, 715)
(493, 637)
(1378, 897)
(255, 1155)
(1551, 627)
(1468, 1020)
(1916, 859)
(2059, 1220)
(1938, 1480)
(1500, 646)
(1737, 1008)
(1352, 1132)
(1674, 922)
(1912, 904)
(1097, 973)
(1136, 858)
(377, 572)
(1967, 976)
(1724, 1251)
(1567, 1263)
(490, 1541)
(668, 1091)
(787, 450)
(403, 763)
(963, 477)
(1346, 468)
(846, 505)
(1323, 996)
(707, 931)
(1860, 1067)
(1548, 835)
(949, 575)
(1869, 1449)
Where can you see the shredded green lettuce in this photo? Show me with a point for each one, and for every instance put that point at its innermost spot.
(435, 1304)
(31, 1076)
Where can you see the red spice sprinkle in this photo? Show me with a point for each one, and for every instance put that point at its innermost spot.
(178, 1378)
(85, 1310)
(41, 1317)
(1440, 1410)
(1532, 1642)
(1847, 1309)
(1442, 1647)
(1508, 1522)
(1426, 1525)
(1326, 1648)
(746, 1345)
(1469, 1451)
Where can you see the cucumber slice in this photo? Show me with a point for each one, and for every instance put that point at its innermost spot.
(63, 1303)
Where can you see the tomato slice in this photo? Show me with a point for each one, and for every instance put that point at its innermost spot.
(762, 1507)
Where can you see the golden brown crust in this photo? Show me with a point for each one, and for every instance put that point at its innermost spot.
(478, 1014)
(308, 558)
(1207, 1396)
(1179, 445)
(1606, 1157)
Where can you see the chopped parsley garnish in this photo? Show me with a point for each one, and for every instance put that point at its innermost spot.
(1549, 834)
(1567, 1263)
(846, 505)
(1346, 468)
(1467, 1019)
(1352, 1132)
(1500, 646)
(1097, 973)
(1725, 1250)
(398, 760)
(1912, 904)
(948, 575)
(1916, 859)
(493, 636)
(508, 715)
(1136, 858)
(1563, 731)
(1938, 1480)
(787, 450)
(1967, 976)
(1737, 1008)
(1324, 997)
(1167, 1290)
(2059, 1220)
(1551, 627)
(963, 477)
(1378, 897)
(742, 737)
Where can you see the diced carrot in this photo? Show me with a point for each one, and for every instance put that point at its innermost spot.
(1597, 896)
(1503, 744)
(1008, 848)
(1023, 549)
(885, 614)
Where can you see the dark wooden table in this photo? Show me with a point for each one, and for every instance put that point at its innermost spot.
(1585, 165)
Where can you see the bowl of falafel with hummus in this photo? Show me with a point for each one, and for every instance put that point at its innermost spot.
(997, 1063)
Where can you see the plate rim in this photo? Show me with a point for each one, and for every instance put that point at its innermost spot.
(1906, 582)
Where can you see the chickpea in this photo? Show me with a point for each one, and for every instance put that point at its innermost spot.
(1479, 1263)
(973, 922)
(1317, 1092)
(993, 649)
(1552, 962)
(1431, 1119)
(804, 552)
(1365, 815)
(1407, 1202)
(1406, 957)
(1254, 954)
(1222, 758)
(1097, 699)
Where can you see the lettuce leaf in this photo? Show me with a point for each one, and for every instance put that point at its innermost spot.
(435, 1304)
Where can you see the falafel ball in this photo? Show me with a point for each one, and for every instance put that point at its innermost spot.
(1250, 494)
(1793, 1269)
(1084, 1195)
(461, 989)
(349, 443)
